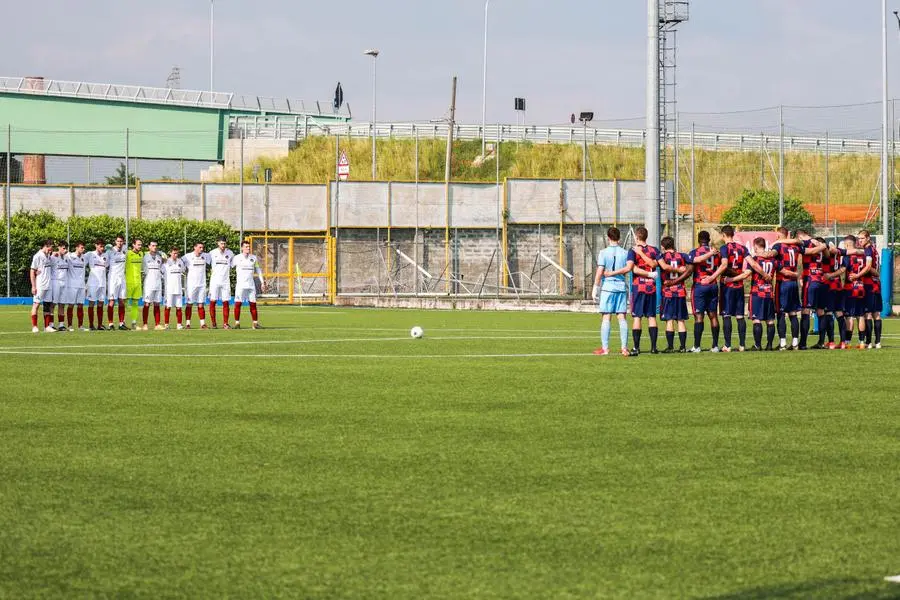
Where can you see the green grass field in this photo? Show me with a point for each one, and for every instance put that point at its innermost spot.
(331, 456)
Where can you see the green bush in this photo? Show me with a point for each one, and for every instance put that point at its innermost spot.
(29, 229)
(760, 207)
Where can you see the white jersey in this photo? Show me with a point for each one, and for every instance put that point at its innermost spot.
(117, 260)
(221, 267)
(99, 265)
(152, 268)
(246, 267)
(60, 270)
(76, 271)
(174, 270)
(196, 276)
(44, 267)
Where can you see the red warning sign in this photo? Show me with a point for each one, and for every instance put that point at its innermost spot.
(343, 166)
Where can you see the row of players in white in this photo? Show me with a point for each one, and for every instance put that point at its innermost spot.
(60, 279)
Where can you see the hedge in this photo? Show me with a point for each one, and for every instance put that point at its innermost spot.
(29, 229)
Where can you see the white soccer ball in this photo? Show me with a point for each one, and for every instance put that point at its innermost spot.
(416, 332)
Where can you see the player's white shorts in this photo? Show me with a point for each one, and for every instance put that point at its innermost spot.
(73, 295)
(153, 296)
(196, 295)
(59, 294)
(117, 290)
(96, 294)
(245, 295)
(43, 296)
(173, 300)
(220, 291)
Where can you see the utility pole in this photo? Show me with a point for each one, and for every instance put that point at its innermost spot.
(447, 174)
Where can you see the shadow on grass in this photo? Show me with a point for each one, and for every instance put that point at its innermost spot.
(822, 588)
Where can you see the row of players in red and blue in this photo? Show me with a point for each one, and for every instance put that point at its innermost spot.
(796, 277)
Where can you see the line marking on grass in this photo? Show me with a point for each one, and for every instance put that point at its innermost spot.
(348, 356)
(893, 579)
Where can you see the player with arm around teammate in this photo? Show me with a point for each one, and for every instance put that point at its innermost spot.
(174, 270)
(118, 286)
(857, 265)
(787, 293)
(75, 288)
(642, 260)
(610, 291)
(98, 267)
(60, 263)
(872, 281)
(41, 275)
(220, 281)
(814, 292)
(152, 268)
(705, 292)
(676, 269)
(134, 267)
(196, 262)
(761, 268)
(247, 269)
(732, 288)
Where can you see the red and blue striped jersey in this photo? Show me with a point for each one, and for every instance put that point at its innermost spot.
(676, 260)
(706, 268)
(759, 287)
(813, 264)
(734, 254)
(837, 261)
(854, 265)
(869, 278)
(643, 285)
(789, 257)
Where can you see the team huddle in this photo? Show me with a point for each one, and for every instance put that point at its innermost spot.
(791, 280)
(65, 280)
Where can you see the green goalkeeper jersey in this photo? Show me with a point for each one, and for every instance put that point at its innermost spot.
(133, 262)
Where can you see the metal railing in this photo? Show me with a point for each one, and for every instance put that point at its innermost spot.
(293, 128)
(153, 95)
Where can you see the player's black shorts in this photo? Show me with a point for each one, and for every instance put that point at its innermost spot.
(855, 307)
(837, 301)
(732, 301)
(762, 309)
(815, 295)
(674, 309)
(788, 297)
(874, 302)
(705, 299)
(643, 304)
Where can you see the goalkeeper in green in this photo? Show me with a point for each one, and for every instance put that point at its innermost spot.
(134, 259)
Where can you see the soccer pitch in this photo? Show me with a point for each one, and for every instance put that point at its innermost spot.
(332, 456)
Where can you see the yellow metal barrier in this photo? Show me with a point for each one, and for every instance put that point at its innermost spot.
(298, 269)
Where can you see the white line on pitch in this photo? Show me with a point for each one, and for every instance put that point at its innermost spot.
(332, 356)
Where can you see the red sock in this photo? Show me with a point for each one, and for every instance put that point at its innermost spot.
(187, 312)
(34, 320)
(81, 315)
(202, 310)
(237, 312)
(91, 315)
(212, 313)
(109, 313)
(48, 319)
(168, 312)
(253, 313)
(99, 315)
(146, 312)
(225, 312)
(61, 314)
(178, 315)
(156, 314)
(121, 311)
(69, 314)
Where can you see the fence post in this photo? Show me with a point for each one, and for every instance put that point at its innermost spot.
(127, 208)
(8, 203)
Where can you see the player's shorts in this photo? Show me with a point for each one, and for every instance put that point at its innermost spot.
(43, 296)
(73, 295)
(153, 297)
(674, 309)
(837, 301)
(762, 309)
(134, 292)
(815, 295)
(173, 300)
(733, 301)
(611, 303)
(643, 304)
(117, 289)
(855, 307)
(788, 297)
(705, 299)
(96, 294)
(59, 294)
(196, 295)
(220, 291)
(874, 302)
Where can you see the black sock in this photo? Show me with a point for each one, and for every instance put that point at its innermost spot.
(862, 336)
(742, 332)
(782, 327)
(715, 336)
(823, 328)
(757, 335)
(842, 327)
(829, 327)
(770, 333)
(654, 336)
(795, 326)
(636, 336)
(878, 324)
(870, 328)
(804, 330)
(726, 327)
(698, 333)
(670, 340)
(682, 339)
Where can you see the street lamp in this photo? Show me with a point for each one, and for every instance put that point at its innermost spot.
(487, 4)
(374, 54)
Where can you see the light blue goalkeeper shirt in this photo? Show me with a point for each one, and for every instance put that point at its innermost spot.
(611, 259)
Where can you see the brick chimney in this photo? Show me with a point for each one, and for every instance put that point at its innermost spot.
(34, 166)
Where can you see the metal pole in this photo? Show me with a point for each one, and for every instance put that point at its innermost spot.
(242, 186)
(487, 4)
(762, 161)
(693, 182)
(651, 167)
(781, 167)
(885, 196)
(374, 113)
(827, 191)
(677, 175)
(447, 175)
(8, 201)
(127, 204)
(211, 47)
(584, 207)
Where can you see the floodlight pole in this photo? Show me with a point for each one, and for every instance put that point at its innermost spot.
(211, 46)
(374, 54)
(651, 165)
(885, 195)
(487, 4)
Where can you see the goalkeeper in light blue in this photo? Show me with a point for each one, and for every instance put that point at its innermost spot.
(611, 291)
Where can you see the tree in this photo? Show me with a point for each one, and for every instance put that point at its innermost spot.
(760, 207)
(118, 178)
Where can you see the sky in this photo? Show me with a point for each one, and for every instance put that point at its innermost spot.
(563, 56)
